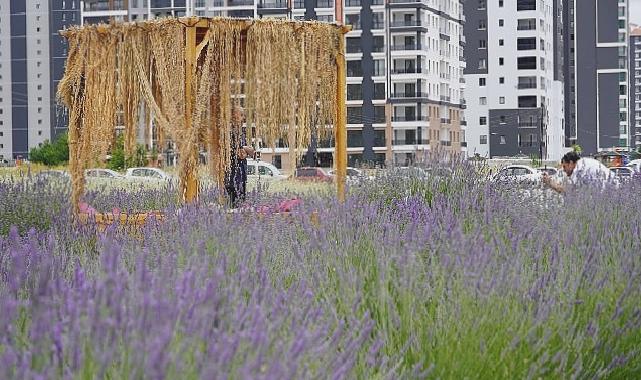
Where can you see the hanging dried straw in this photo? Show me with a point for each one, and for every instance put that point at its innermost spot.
(286, 72)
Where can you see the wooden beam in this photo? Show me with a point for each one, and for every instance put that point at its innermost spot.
(340, 129)
(190, 185)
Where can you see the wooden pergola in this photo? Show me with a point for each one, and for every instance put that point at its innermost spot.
(185, 74)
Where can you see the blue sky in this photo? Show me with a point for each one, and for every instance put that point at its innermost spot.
(635, 11)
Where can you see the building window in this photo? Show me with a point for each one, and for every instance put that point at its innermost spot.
(482, 4)
(482, 63)
(483, 140)
(482, 24)
(482, 120)
(526, 24)
(39, 121)
(500, 3)
(501, 80)
(502, 101)
(501, 61)
(527, 101)
(501, 22)
(39, 87)
(38, 29)
(502, 139)
(501, 42)
(526, 63)
(528, 43)
(482, 82)
(39, 133)
(502, 119)
(482, 44)
(483, 100)
(525, 5)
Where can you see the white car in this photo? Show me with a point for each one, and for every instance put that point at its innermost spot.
(353, 175)
(635, 165)
(549, 170)
(622, 172)
(263, 171)
(147, 174)
(102, 173)
(518, 173)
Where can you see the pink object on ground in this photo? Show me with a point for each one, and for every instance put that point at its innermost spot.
(284, 206)
(84, 207)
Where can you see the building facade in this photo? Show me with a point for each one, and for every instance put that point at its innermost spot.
(596, 74)
(635, 87)
(514, 78)
(405, 85)
(32, 57)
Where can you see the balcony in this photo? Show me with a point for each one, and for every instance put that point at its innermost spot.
(405, 23)
(446, 143)
(407, 70)
(445, 121)
(525, 86)
(352, 3)
(104, 6)
(405, 47)
(410, 142)
(354, 49)
(237, 3)
(409, 95)
(445, 98)
(409, 118)
(273, 5)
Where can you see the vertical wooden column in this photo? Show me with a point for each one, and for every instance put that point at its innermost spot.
(190, 186)
(340, 129)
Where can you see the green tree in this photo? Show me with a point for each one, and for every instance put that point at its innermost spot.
(119, 161)
(51, 154)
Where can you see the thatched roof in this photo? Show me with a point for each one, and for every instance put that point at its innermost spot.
(284, 71)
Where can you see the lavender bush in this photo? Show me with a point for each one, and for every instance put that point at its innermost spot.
(445, 277)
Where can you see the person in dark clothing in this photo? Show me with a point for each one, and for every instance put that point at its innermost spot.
(236, 178)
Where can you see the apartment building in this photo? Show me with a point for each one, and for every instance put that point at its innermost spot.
(31, 63)
(635, 87)
(514, 77)
(596, 72)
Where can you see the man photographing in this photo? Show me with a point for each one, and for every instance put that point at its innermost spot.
(579, 170)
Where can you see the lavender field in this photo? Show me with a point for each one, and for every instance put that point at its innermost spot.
(452, 277)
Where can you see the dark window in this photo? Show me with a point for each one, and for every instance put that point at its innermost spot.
(379, 137)
(526, 24)
(527, 63)
(527, 101)
(354, 91)
(354, 138)
(354, 115)
(527, 82)
(525, 5)
(481, 82)
(483, 120)
(353, 45)
(354, 69)
(379, 44)
(501, 80)
(379, 91)
(528, 43)
(501, 42)
(379, 114)
(501, 61)
(501, 22)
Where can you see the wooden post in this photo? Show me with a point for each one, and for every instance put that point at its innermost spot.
(340, 129)
(190, 185)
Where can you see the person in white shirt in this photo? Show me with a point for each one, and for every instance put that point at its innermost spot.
(579, 170)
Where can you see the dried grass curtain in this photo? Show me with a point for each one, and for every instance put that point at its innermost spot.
(286, 72)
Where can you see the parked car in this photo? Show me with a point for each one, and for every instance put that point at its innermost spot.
(518, 173)
(408, 171)
(147, 174)
(59, 175)
(550, 171)
(312, 174)
(635, 165)
(102, 173)
(622, 172)
(263, 171)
